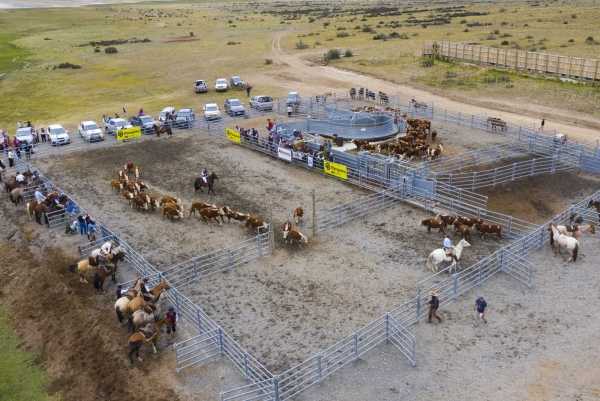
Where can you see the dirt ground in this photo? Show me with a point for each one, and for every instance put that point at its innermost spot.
(537, 199)
(288, 306)
(538, 345)
(248, 181)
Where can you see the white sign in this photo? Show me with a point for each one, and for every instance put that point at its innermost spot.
(284, 154)
(309, 161)
(298, 155)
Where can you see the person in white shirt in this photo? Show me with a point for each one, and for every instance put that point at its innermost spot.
(20, 178)
(449, 248)
(39, 196)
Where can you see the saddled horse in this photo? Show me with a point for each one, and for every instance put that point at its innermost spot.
(99, 260)
(149, 334)
(209, 182)
(576, 230)
(439, 256)
(558, 241)
(126, 306)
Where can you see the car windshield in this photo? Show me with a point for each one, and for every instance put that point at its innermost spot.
(146, 119)
(184, 112)
(119, 123)
(221, 81)
(23, 131)
(198, 83)
(211, 108)
(236, 79)
(234, 102)
(57, 131)
(266, 99)
(90, 126)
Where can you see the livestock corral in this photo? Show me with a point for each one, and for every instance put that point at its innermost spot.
(359, 276)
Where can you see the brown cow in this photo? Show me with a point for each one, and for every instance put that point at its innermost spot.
(141, 202)
(298, 214)
(117, 185)
(485, 228)
(257, 223)
(208, 214)
(434, 223)
(172, 212)
(198, 206)
(449, 220)
(233, 214)
(463, 230)
(296, 237)
(169, 199)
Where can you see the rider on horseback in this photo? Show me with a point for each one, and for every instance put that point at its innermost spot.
(449, 248)
(204, 175)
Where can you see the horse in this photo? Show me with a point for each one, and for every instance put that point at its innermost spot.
(141, 317)
(596, 205)
(40, 212)
(464, 231)
(468, 221)
(434, 222)
(210, 182)
(157, 291)
(147, 334)
(298, 214)
(485, 228)
(558, 240)
(439, 256)
(16, 195)
(89, 264)
(576, 231)
(125, 307)
(449, 220)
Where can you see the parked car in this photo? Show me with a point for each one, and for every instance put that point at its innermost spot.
(58, 135)
(262, 103)
(236, 82)
(234, 107)
(221, 85)
(200, 86)
(185, 118)
(211, 111)
(146, 122)
(90, 131)
(162, 117)
(115, 124)
(25, 135)
(293, 99)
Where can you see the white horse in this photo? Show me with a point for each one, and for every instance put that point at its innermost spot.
(439, 256)
(579, 230)
(558, 240)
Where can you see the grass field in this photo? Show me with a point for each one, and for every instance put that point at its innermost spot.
(20, 378)
(230, 39)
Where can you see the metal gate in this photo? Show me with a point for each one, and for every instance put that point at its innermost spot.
(590, 164)
(423, 188)
(401, 338)
(198, 349)
(57, 218)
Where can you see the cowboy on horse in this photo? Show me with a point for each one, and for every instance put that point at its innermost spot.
(204, 175)
(449, 248)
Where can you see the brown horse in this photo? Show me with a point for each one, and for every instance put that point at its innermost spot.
(434, 223)
(596, 205)
(485, 229)
(468, 221)
(16, 195)
(449, 220)
(463, 230)
(148, 334)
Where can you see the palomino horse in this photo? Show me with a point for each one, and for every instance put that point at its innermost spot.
(210, 183)
(95, 260)
(558, 240)
(148, 334)
(438, 256)
(125, 306)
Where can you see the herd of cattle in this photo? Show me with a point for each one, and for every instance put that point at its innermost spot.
(462, 226)
(416, 144)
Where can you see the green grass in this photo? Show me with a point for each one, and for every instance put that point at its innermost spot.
(20, 378)
(12, 56)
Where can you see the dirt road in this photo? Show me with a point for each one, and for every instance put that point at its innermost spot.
(298, 73)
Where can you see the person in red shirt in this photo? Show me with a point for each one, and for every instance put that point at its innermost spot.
(171, 318)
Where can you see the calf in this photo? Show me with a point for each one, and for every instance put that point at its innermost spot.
(296, 237)
(198, 206)
(208, 214)
(298, 214)
(257, 223)
(172, 213)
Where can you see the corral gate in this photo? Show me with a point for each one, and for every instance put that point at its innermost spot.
(590, 164)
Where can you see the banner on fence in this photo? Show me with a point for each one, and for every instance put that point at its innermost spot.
(284, 154)
(233, 135)
(309, 161)
(336, 169)
(298, 155)
(125, 134)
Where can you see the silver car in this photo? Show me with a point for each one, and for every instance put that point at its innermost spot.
(234, 107)
(90, 131)
(262, 103)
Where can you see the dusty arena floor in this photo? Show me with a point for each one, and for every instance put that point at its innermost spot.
(288, 306)
(537, 199)
(248, 181)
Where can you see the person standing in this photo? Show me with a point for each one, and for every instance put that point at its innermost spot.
(434, 304)
(11, 158)
(542, 124)
(289, 110)
(171, 319)
(43, 135)
(480, 305)
(82, 225)
(248, 89)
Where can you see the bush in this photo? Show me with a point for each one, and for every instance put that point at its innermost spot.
(505, 43)
(574, 16)
(496, 32)
(589, 40)
(268, 61)
(571, 40)
(466, 30)
(427, 62)
(394, 35)
(96, 50)
(325, 24)
(232, 43)
(311, 19)
(367, 29)
(332, 54)
(463, 21)
(111, 50)
(380, 36)
(342, 34)
(192, 34)
(348, 53)
(64, 66)
(300, 45)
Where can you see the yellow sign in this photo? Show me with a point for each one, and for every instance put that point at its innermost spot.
(336, 169)
(233, 135)
(129, 133)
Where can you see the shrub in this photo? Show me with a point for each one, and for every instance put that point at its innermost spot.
(332, 54)
(300, 45)
(380, 36)
(505, 43)
(466, 30)
(232, 43)
(491, 36)
(405, 36)
(505, 35)
(503, 23)
(192, 34)
(571, 40)
(268, 61)
(463, 21)
(566, 22)
(394, 35)
(574, 16)
(111, 50)
(427, 62)
(528, 37)
(96, 50)
(496, 32)
(348, 53)
(64, 66)
(342, 34)
(317, 43)
(341, 28)
(367, 29)
(589, 40)
(311, 19)
(326, 24)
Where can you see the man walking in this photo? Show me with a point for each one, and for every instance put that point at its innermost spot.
(480, 306)
(289, 110)
(11, 158)
(248, 89)
(542, 124)
(434, 304)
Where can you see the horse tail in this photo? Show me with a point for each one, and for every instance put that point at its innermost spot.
(429, 263)
(575, 252)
